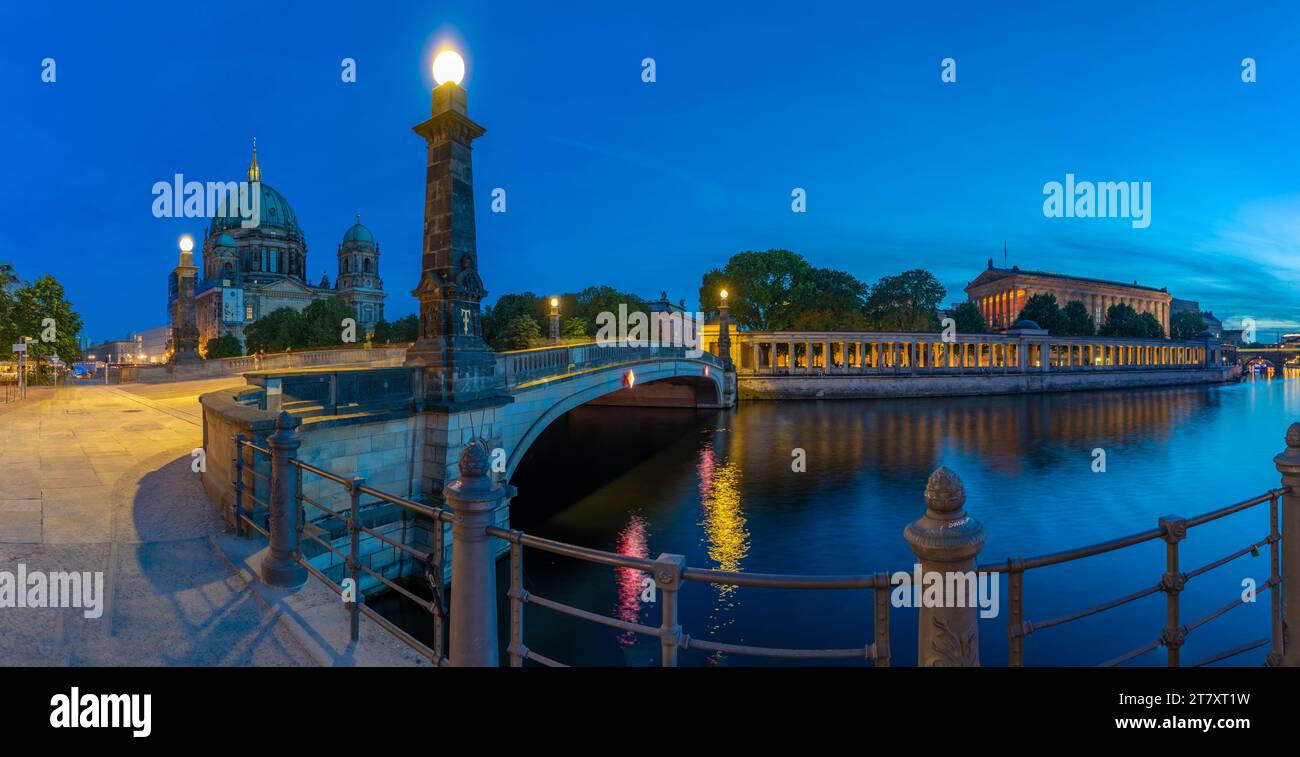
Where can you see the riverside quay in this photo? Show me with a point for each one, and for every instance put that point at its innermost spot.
(831, 428)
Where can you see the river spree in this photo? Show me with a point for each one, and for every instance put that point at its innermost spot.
(719, 489)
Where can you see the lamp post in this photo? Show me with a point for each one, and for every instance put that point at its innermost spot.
(555, 320)
(724, 331)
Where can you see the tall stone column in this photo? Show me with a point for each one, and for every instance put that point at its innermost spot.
(458, 365)
(185, 327)
(459, 391)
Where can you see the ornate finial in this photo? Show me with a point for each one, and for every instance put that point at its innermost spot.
(254, 172)
(474, 459)
(944, 492)
(1293, 435)
(284, 421)
(358, 216)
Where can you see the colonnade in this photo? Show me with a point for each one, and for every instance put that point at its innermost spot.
(887, 353)
(1000, 309)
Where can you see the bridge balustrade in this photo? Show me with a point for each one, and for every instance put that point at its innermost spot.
(522, 366)
(945, 539)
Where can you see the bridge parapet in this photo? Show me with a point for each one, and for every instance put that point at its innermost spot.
(522, 366)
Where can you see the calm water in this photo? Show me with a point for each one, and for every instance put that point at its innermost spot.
(719, 489)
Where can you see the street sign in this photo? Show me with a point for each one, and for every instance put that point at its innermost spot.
(20, 347)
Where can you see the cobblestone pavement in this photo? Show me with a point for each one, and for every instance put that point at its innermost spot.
(98, 478)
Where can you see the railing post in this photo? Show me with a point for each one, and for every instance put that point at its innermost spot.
(473, 498)
(239, 481)
(668, 579)
(354, 554)
(1171, 583)
(946, 541)
(279, 568)
(1288, 464)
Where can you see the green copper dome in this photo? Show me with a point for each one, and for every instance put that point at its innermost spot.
(358, 233)
(276, 213)
(225, 240)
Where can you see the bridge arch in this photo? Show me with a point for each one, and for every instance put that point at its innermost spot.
(537, 407)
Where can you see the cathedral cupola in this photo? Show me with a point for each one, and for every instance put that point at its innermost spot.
(358, 259)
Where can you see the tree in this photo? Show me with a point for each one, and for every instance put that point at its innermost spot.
(40, 310)
(226, 345)
(323, 323)
(1186, 325)
(573, 328)
(1151, 328)
(766, 288)
(906, 302)
(276, 331)
(1043, 310)
(1122, 320)
(1075, 320)
(969, 319)
(835, 302)
(520, 333)
(591, 302)
(405, 329)
(498, 317)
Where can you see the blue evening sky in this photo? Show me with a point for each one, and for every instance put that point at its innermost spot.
(645, 186)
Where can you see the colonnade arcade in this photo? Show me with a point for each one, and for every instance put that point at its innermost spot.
(882, 352)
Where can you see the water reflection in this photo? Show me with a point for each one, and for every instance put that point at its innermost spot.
(723, 525)
(631, 582)
(719, 489)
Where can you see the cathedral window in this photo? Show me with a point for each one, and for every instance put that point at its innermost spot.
(366, 263)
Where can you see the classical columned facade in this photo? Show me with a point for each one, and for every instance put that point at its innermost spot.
(1023, 350)
(1001, 293)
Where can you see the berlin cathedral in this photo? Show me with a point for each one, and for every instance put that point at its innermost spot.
(249, 272)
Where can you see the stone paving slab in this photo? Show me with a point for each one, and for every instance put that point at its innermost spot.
(93, 480)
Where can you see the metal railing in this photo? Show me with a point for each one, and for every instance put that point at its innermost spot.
(521, 366)
(351, 518)
(1172, 529)
(669, 572)
(945, 540)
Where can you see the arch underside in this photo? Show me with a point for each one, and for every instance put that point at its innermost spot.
(684, 384)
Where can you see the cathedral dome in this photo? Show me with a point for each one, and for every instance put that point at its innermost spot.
(275, 213)
(225, 240)
(358, 233)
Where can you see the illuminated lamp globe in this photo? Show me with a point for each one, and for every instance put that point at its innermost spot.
(448, 66)
(187, 243)
(555, 303)
(723, 294)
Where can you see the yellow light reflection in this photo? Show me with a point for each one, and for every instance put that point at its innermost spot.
(725, 536)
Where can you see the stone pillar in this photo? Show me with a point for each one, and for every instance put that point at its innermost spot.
(946, 540)
(185, 328)
(279, 568)
(1288, 464)
(473, 497)
(459, 366)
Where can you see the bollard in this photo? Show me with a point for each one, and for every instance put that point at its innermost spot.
(946, 540)
(473, 498)
(1288, 464)
(279, 568)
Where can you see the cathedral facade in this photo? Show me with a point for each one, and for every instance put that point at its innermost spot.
(250, 272)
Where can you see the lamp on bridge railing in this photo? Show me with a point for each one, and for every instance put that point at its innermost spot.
(555, 320)
(724, 331)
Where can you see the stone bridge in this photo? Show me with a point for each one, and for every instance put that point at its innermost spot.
(378, 423)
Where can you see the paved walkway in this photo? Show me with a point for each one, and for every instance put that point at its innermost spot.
(98, 478)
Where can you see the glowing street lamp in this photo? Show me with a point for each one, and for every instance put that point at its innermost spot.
(448, 66)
